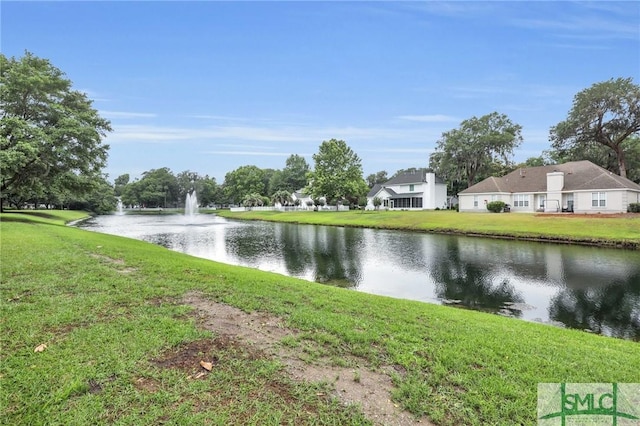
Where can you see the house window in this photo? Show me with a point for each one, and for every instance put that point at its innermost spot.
(598, 199)
(521, 200)
(412, 188)
(542, 198)
(475, 201)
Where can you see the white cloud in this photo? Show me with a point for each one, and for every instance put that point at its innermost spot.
(401, 150)
(436, 118)
(591, 26)
(252, 134)
(126, 114)
(252, 153)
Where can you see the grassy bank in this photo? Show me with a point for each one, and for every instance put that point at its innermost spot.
(621, 231)
(111, 313)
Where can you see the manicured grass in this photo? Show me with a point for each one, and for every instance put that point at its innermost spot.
(109, 308)
(623, 231)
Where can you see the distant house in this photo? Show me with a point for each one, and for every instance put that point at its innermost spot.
(303, 198)
(577, 186)
(417, 190)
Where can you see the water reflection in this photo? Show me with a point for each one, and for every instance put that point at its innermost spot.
(579, 287)
(473, 283)
(612, 309)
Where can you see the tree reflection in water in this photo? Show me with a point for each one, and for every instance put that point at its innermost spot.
(473, 286)
(612, 309)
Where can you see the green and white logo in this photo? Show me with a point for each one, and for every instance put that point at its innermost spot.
(564, 404)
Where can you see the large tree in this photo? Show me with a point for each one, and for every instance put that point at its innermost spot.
(375, 178)
(47, 129)
(244, 181)
(157, 188)
(338, 173)
(119, 183)
(476, 148)
(295, 172)
(292, 178)
(606, 114)
(206, 188)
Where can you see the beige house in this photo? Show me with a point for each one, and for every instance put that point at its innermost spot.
(577, 186)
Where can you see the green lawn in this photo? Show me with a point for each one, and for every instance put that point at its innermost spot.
(621, 231)
(108, 308)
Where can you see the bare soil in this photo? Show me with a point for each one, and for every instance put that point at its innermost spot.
(259, 335)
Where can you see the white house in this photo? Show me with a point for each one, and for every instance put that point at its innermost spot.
(577, 186)
(303, 198)
(414, 190)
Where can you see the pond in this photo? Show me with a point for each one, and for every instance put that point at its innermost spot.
(588, 288)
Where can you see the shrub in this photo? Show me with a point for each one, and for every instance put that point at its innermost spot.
(634, 208)
(495, 206)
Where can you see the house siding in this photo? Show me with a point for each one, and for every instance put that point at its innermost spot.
(422, 195)
(561, 186)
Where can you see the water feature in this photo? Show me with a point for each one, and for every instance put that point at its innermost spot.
(119, 208)
(191, 205)
(588, 288)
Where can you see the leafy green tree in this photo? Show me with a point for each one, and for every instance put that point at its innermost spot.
(253, 200)
(187, 183)
(338, 173)
(292, 178)
(208, 191)
(377, 202)
(206, 187)
(632, 152)
(267, 175)
(606, 114)
(156, 188)
(243, 181)
(295, 173)
(131, 194)
(403, 171)
(464, 154)
(100, 199)
(277, 182)
(375, 178)
(534, 162)
(282, 197)
(47, 129)
(119, 183)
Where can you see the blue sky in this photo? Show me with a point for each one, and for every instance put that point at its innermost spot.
(211, 86)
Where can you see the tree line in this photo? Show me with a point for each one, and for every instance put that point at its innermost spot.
(53, 152)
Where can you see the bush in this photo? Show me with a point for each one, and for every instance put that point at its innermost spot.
(634, 208)
(495, 206)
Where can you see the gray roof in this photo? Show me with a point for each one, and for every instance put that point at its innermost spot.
(417, 176)
(376, 188)
(578, 175)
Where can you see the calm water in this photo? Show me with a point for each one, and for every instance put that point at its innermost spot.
(587, 288)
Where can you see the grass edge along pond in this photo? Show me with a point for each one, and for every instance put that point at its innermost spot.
(621, 231)
(109, 310)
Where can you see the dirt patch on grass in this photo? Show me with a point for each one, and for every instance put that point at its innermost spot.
(261, 334)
